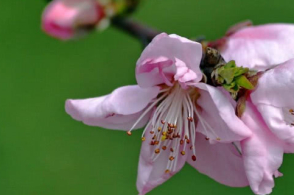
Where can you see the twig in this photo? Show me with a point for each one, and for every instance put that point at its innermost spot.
(144, 33)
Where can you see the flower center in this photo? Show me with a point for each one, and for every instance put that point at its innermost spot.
(173, 124)
(289, 116)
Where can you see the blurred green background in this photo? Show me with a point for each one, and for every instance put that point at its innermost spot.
(45, 152)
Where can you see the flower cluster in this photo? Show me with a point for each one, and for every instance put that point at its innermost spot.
(187, 120)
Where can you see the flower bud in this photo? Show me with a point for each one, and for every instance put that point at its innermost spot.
(66, 19)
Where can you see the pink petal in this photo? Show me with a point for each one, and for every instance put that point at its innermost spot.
(151, 174)
(275, 87)
(220, 161)
(275, 119)
(259, 46)
(119, 110)
(61, 18)
(274, 100)
(219, 113)
(262, 153)
(168, 58)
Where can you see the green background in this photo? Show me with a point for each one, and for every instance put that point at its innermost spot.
(45, 152)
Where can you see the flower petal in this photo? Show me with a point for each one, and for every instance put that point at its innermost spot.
(276, 86)
(219, 114)
(276, 122)
(220, 161)
(259, 46)
(262, 153)
(168, 58)
(151, 174)
(119, 110)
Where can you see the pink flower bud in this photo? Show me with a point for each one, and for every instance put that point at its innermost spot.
(64, 19)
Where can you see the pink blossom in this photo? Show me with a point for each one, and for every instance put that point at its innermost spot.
(65, 19)
(269, 107)
(184, 119)
(270, 115)
(256, 47)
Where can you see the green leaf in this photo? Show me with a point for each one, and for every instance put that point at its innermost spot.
(228, 74)
(232, 87)
(240, 71)
(242, 81)
(230, 64)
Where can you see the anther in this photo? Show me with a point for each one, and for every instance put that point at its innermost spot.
(207, 138)
(156, 142)
(164, 133)
(152, 143)
(187, 141)
(164, 147)
(218, 139)
(129, 132)
(191, 147)
(171, 158)
(194, 158)
(151, 132)
(143, 138)
(292, 124)
(154, 137)
(162, 122)
(182, 142)
(157, 151)
(163, 138)
(183, 153)
(291, 110)
(190, 119)
(171, 149)
(167, 171)
(159, 129)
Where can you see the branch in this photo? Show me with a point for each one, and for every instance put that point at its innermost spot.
(144, 33)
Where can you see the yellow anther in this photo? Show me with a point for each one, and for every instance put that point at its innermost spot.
(164, 133)
(218, 139)
(143, 138)
(159, 129)
(163, 138)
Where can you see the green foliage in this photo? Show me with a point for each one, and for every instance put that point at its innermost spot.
(232, 77)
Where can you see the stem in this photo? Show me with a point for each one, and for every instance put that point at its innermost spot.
(144, 33)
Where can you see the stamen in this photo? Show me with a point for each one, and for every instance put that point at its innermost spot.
(171, 158)
(147, 110)
(288, 115)
(172, 124)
